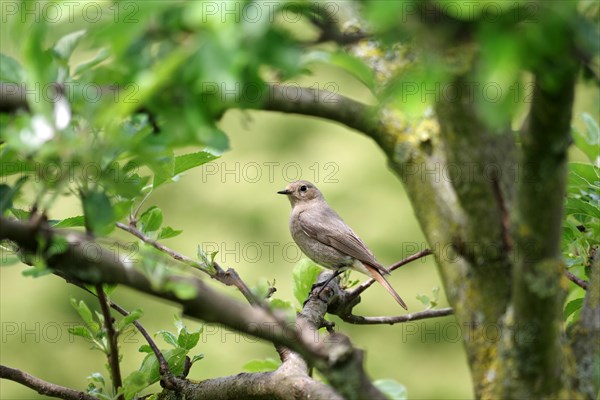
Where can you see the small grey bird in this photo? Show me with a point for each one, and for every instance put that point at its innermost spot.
(325, 238)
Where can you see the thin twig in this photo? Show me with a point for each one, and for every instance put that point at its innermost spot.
(113, 344)
(164, 370)
(578, 281)
(146, 239)
(390, 320)
(133, 218)
(366, 284)
(229, 277)
(41, 386)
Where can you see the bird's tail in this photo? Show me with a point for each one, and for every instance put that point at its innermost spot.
(379, 278)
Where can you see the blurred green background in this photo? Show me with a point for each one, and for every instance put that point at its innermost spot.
(231, 206)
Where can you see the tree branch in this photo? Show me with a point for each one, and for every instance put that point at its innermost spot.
(208, 304)
(536, 359)
(42, 387)
(165, 372)
(579, 282)
(391, 320)
(229, 277)
(277, 385)
(369, 282)
(585, 335)
(166, 375)
(113, 344)
(335, 357)
(289, 381)
(328, 105)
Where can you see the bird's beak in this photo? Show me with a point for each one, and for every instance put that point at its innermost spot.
(285, 191)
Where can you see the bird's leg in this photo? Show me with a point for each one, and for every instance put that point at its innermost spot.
(324, 284)
(337, 273)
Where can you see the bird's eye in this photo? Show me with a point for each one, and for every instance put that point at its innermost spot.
(303, 188)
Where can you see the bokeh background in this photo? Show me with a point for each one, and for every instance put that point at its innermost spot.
(231, 206)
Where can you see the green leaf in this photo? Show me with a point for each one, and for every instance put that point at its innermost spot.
(163, 169)
(588, 141)
(392, 389)
(10, 70)
(20, 214)
(127, 185)
(151, 219)
(214, 139)
(97, 377)
(188, 340)
(135, 383)
(65, 46)
(168, 232)
(423, 299)
(572, 307)
(86, 315)
(122, 208)
(197, 357)
(577, 206)
(102, 55)
(81, 331)
(587, 175)
(304, 275)
(262, 288)
(168, 337)
(5, 198)
(69, 222)
(36, 272)
(592, 128)
(145, 348)
(98, 212)
(192, 160)
(149, 369)
(11, 162)
(108, 288)
(7, 194)
(126, 321)
(261, 365)
(207, 260)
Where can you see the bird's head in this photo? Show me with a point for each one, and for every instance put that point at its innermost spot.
(300, 192)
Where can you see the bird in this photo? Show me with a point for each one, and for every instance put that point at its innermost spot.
(325, 238)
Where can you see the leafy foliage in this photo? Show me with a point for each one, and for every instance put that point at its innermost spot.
(264, 365)
(149, 372)
(581, 227)
(304, 275)
(430, 302)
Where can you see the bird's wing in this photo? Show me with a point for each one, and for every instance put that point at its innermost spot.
(328, 228)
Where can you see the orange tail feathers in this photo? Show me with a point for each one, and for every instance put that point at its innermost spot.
(375, 274)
